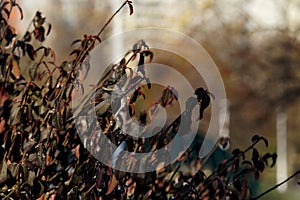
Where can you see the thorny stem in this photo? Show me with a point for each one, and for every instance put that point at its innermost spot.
(276, 186)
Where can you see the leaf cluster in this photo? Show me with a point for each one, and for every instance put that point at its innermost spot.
(42, 156)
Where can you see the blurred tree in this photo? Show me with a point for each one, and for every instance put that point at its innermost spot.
(259, 61)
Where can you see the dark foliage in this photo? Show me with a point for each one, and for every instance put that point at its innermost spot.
(42, 156)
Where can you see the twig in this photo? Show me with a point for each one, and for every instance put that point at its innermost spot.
(176, 170)
(109, 20)
(84, 52)
(276, 186)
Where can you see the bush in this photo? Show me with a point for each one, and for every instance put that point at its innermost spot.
(42, 156)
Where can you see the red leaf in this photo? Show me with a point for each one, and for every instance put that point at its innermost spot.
(39, 34)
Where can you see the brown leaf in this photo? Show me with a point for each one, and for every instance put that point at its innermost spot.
(15, 69)
(30, 51)
(112, 184)
(3, 172)
(77, 151)
(39, 33)
(244, 191)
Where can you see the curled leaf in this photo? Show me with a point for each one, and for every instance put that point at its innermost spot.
(255, 138)
(265, 141)
(274, 158)
(75, 42)
(20, 10)
(130, 7)
(247, 162)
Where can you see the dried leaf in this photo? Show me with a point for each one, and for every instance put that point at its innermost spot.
(130, 7)
(112, 184)
(6, 12)
(39, 33)
(3, 172)
(15, 69)
(31, 177)
(30, 51)
(49, 29)
(20, 10)
(14, 169)
(255, 156)
(247, 162)
(75, 42)
(265, 141)
(27, 36)
(255, 138)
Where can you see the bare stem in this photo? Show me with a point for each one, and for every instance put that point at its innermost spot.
(109, 20)
(84, 52)
(276, 186)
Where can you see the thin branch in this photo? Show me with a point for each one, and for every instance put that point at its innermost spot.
(276, 186)
(84, 52)
(109, 20)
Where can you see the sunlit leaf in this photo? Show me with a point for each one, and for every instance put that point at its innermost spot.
(15, 69)
(112, 184)
(3, 171)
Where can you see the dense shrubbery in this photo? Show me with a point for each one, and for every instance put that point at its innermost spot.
(42, 155)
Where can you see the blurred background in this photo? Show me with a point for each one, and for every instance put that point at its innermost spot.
(254, 43)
